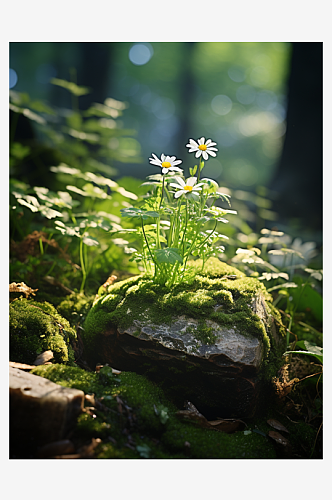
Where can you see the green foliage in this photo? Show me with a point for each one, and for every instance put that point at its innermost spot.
(79, 212)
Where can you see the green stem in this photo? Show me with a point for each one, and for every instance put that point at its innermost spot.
(185, 228)
(208, 236)
(41, 247)
(82, 265)
(199, 169)
(147, 244)
(162, 191)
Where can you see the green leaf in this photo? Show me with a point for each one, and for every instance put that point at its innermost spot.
(310, 346)
(210, 185)
(68, 229)
(148, 214)
(144, 451)
(193, 171)
(34, 205)
(49, 213)
(19, 151)
(130, 212)
(168, 256)
(65, 169)
(284, 285)
(138, 212)
(72, 87)
(90, 242)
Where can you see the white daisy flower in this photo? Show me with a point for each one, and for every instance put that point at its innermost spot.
(166, 163)
(202, 148)
(188, 188)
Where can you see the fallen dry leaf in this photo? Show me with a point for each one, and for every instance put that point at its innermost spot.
(223, 425)
(277, 425)
(278, 438)
(22, 288)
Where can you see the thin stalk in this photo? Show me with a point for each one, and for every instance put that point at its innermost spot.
(82, 265)
(51, 269)
(41, 247)
(162, 191)
(147, 244)
(208, 236)
(185, 227)
(199, 169)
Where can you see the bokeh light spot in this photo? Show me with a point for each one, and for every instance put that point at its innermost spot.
(140, 53)
(221, 104)
(12, 78)
(237, 74)
(246, 94)
(266, 99)
(259, 76)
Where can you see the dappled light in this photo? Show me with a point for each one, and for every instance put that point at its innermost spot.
(165, 250)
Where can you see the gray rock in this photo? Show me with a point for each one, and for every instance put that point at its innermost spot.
(218, 353)
(40, 410)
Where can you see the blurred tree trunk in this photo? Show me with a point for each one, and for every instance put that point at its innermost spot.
(93, 73)
(298, 178)
(187, 97)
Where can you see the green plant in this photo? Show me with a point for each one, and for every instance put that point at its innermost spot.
(86, 141)
(175, 218)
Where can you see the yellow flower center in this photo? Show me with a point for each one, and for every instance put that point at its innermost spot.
(202, 147)
(166, 164)
(188, 188)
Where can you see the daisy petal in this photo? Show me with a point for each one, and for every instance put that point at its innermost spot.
(198, 153)
(205, 155)
(212, 153)
(180, 181)
(201, 141)
(155, 162)
(191, 181)
(179, 193)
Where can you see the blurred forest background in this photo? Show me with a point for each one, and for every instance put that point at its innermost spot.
(260, 101)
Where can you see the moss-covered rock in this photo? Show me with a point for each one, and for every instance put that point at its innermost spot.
(133, 418)
(151, 420)
(214, 340)
(75, 307)
(36, 327)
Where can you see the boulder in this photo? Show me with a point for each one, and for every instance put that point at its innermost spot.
(215, 340)
(40, 411)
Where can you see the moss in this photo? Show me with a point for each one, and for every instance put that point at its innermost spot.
(36, 327)
(75, 307)
(203, 333)
(214, 268)
(155, 428)
(210, 295)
